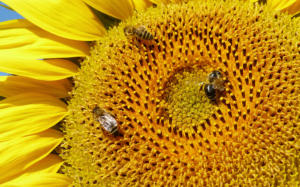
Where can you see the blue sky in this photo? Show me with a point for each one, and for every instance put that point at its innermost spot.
(7, 15)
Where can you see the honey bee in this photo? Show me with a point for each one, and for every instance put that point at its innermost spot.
(140, 32)
(107, 121)
(215, 85)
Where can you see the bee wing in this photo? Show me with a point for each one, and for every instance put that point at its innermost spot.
(141, 29)
(108, 122)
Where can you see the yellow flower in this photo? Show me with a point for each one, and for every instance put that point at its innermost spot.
(170, 132)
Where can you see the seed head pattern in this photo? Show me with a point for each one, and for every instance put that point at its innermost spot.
(170, 132)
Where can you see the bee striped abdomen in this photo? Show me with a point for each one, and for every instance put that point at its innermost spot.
(140, 32)
(143, 33)
(210, 91)
(147, 35)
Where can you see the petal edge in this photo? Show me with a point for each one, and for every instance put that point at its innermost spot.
(70, 19)
(120, 9)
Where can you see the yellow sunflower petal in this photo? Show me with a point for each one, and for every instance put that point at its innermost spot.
(294, 8)
(280, 4)
(141, 4)
(120, 9)
(52, 69)
(25, 39)
(50, 164)
(160, 1)
(39, 179)
(155, 1)
(70, 19)
(34, 114)
(13, 85)
(20, 153)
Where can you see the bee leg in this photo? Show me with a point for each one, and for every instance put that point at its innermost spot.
(138, 44)
(117, 133)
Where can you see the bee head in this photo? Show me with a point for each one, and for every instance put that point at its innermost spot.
(214, 75)
(128, 30)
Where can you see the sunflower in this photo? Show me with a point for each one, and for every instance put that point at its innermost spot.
(65, 66)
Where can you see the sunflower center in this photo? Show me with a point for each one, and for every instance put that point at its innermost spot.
(139, 115)
(186, 100)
